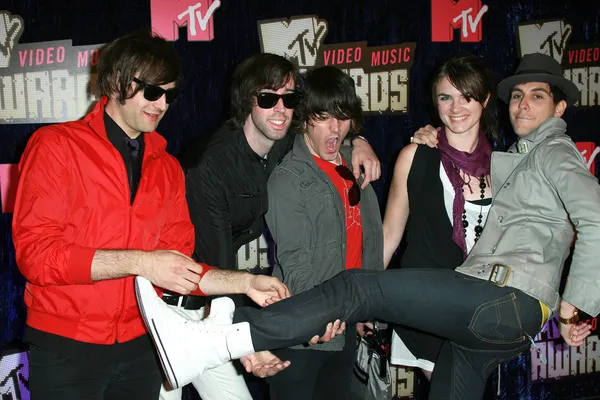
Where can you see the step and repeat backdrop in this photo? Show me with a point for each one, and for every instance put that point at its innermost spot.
(49, 50)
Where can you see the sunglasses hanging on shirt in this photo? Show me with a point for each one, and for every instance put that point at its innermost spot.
(155, 92)
(268, 100)
(354, 192)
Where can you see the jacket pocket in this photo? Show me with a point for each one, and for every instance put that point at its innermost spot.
(498, 321)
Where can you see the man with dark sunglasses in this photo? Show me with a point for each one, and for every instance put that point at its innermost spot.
(99, 201)
(155, 92)
(226, 179)
(322, 224)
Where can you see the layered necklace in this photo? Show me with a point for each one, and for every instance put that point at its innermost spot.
(476, 163)
(479, 227)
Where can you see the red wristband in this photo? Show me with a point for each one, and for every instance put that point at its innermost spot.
(205, 269)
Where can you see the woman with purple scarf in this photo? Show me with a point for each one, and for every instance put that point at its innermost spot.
(445, 190)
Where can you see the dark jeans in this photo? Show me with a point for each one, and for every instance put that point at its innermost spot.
(53, 376)
(315, 374)
(482, 324)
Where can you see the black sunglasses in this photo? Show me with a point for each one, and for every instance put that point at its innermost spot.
(155, 92)
(354, 192)
(268, 100)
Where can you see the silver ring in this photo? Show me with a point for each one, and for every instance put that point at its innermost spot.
(412, 138)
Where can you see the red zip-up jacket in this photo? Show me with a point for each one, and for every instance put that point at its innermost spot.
(72, 199)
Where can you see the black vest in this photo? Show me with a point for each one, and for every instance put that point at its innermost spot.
(429, 231)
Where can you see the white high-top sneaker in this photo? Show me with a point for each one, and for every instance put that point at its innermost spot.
(187, 348)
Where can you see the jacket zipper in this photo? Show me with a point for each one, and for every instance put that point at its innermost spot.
(129, 180)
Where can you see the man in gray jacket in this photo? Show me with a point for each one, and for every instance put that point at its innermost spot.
(322, 223)
(491, 307)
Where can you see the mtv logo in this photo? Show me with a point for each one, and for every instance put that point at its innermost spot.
(11, 28)
(14, 377)
(298, 39)
(546, 37)
(589, 151)
(448, 15)
(167, 16)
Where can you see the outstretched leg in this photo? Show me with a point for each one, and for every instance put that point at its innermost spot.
(465, 310)
(483, 324)
(469, 312)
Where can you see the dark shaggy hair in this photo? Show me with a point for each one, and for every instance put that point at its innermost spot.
(260, 71)
(329, 91)
(470, 76)
(141, 52)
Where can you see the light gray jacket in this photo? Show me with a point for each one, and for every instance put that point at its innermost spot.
(536, 196)
(307, 220)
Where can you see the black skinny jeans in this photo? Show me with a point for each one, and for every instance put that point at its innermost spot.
(482, 324)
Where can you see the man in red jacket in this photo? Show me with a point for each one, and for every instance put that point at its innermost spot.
(100, 201)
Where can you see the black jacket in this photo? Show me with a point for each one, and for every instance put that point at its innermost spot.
(227, 194)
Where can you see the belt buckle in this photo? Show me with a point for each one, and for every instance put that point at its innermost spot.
(496, 277)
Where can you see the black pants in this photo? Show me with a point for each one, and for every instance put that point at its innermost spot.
(52, 376)
(482, 324)
(315, 374)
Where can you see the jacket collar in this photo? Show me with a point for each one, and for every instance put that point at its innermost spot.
(503, 164)
(154, 143)
(300, 150)
(550, 127)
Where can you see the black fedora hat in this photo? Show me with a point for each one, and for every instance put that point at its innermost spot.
(537, 67)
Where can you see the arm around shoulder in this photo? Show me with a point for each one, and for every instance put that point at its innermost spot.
(364, 156)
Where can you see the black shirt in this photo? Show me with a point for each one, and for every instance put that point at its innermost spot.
(132, 151)
(227, 194)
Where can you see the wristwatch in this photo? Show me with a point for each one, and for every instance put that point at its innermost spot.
(351, 136)
(358, 137)
(567, 321)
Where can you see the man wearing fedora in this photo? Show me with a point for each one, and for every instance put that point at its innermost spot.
(490, 308)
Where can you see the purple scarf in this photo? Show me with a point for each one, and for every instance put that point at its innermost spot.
(474, 164)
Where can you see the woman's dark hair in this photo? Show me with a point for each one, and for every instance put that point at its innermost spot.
(329, 91)
(141, 52)
(260, 71)
(469, 74)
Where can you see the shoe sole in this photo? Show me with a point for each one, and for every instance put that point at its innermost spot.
(164, 359)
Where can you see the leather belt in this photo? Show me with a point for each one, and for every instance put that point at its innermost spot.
(186, 302)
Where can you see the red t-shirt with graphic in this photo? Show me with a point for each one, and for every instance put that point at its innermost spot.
(353, 221)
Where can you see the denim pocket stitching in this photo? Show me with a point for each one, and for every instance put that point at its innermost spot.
(495, 303)
(485, 367)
